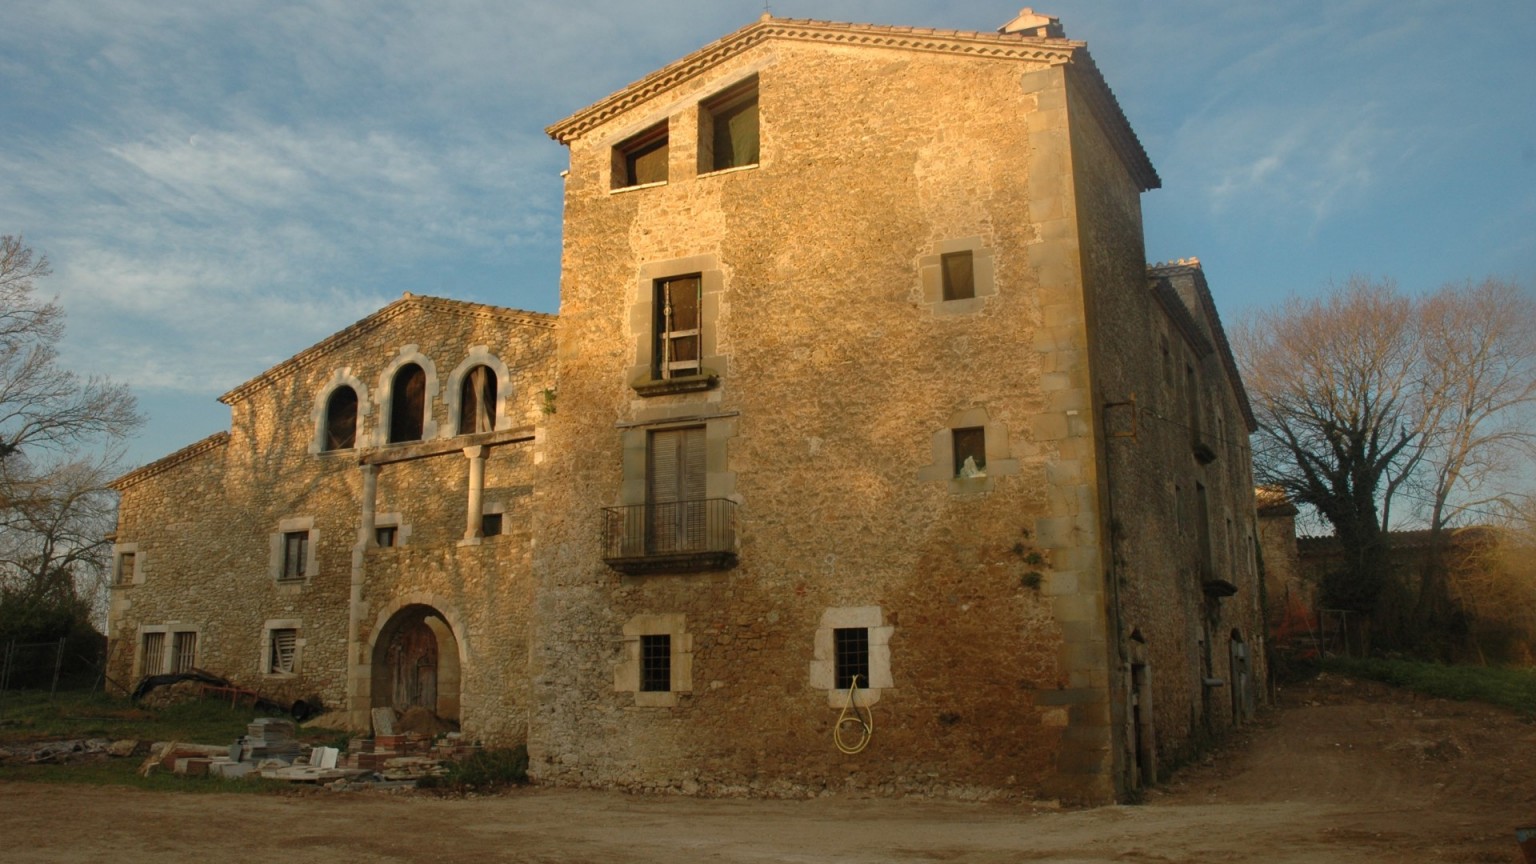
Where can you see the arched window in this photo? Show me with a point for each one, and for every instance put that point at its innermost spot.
(477, 401)
(407, 404)
(341, 419)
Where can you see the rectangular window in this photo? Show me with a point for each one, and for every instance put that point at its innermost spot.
(675, 350)
(959, 275)
(676, 513)
(656, 663)
(728, 129)
(970, 451)
(386, 535)
(184, 651)
(850, 657)
(295, 554)
(641, 159)
(125, 561)
(284, 648)
(490, 524)
(152, 656)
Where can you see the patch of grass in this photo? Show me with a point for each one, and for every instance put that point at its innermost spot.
(33, 716)
(1510, 688)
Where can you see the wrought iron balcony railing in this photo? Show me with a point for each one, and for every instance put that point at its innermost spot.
(676, 537)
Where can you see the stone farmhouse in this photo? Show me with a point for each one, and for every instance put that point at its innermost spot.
(865, 452)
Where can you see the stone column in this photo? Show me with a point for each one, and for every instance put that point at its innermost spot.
(358, 669)
(472, 528)
(369, 532)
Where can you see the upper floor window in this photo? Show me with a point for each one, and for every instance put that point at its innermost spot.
(408, 404)
(295, 555)
(970, 451)
(678, 329)
(728, 129)
(641, 159)
(341, 419)
(477, 401)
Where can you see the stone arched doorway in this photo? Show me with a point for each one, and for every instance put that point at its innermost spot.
(416, 663)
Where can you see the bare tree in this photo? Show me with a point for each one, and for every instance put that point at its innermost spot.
(1331, 381)
(1364, 396)
(58, 446)
(1475, 401)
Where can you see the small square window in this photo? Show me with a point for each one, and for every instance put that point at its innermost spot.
(655, 663)
(490, 524)
(728, 129)
(284, 650)
(970, 451)
(642, 159)
(850, 657)
(295, 554)
(959, 274)
(125, 562)
(386, 535)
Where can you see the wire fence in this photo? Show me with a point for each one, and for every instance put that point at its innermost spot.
(60, 664)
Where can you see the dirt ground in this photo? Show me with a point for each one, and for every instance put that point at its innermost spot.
(1344, 772)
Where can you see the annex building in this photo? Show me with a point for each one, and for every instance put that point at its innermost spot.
(861, 391)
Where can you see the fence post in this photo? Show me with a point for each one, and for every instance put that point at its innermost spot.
(5, 669)
(58, 666)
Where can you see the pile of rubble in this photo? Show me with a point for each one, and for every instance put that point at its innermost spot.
(269, 751)
(79, 749)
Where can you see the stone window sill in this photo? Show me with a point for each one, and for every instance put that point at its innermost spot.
(705, 380)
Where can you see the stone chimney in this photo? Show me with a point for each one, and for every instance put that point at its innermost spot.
(1036, 26)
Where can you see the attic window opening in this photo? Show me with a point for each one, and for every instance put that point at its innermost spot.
(408, 404)
(477, 401)
(491, 524)
(958, 274)
(728, 129)
(970, 445)
(641, 159)
(850, 657)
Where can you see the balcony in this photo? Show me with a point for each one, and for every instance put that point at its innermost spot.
(676, 537)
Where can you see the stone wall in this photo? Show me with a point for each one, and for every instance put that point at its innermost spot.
(839, 383)
(205, 525)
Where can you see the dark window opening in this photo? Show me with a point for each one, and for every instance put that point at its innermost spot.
(407, 404)
(184, 652)
(341, 419)
(676, 350)
(970, 446)
(728, 129)
(642, 159)
(490, 524)
(295, 554)
(125, 568)
(386, 535)
(959, 275)
(655, 663)
(285, 646)
(850, 657)
(477, 401)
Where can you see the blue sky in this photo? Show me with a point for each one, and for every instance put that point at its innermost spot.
(219, 185)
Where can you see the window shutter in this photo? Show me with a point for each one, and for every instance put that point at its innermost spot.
(675, 489)
(284, 644)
